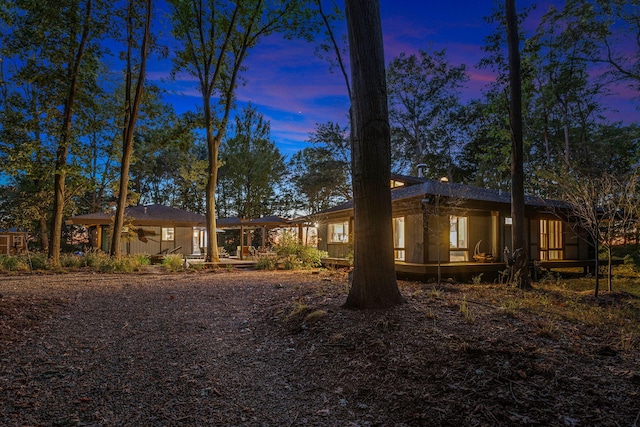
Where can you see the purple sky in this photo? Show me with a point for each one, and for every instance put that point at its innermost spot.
(294, 89)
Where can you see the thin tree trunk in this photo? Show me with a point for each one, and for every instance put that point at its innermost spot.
(212, 181)
(609, 268)
(62, 151)
(519, 243)
(131, 116)
(374, 282)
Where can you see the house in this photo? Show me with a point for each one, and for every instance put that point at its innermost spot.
(12, 241)
(464, 230)
(151, 229)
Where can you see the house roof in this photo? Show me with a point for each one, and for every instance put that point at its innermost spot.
(424, 188)
(150, 215)
(271, 221)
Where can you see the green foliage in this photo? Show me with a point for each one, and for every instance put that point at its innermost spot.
(36, 260)
(321, 173)
(423, 111)
(266, 263)
(252, 168)
(296, 255)
(70, 261)
(173, 262)
(9, 263)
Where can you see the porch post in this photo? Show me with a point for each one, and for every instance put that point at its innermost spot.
(425, 233)
(241, 239)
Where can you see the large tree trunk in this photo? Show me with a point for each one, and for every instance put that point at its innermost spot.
(520, 269)
(374, 282)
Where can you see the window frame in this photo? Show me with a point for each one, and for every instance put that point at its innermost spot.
(168, 234)
(332, 235)
(551, 236)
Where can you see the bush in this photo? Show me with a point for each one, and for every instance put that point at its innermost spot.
(293, 255)
(173, 262)
(266, 263)
(9, 263)
(71, 261)
(37, 260)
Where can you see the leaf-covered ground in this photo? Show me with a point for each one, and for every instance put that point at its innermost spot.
(257, 348)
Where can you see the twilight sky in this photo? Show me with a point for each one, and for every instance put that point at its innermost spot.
(294, 89)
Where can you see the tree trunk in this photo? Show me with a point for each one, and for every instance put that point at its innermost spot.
(610, 269)
(374, 282)
(213, 145)
(520, 267)
(62, 151)
(131, 116)
(44, 234)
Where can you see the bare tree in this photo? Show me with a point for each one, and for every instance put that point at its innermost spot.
(374, 282)
(604, 207)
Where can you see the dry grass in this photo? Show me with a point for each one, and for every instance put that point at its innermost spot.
(276, 349)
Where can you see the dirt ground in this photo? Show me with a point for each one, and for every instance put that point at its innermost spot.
(257, 348)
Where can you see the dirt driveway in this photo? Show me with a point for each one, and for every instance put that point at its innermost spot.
(275, 349)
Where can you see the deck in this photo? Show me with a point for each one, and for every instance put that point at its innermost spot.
(229, 262)
(465, 271)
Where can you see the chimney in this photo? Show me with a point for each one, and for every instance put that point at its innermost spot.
(145, 210)
(421, 170)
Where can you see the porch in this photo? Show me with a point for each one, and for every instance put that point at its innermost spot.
(465, 271)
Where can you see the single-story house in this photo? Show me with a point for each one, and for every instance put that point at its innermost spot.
(12, 241)
(462, 228)
(151, 229)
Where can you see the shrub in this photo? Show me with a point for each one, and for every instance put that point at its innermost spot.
(36, 260)
(9, 263)
(172, 262)
(293, 254)
(95, 258)
(266, 263)
(71, 261)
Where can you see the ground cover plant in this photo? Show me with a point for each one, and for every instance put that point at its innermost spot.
(272, 348)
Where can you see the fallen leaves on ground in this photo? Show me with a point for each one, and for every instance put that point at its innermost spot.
(258, 348)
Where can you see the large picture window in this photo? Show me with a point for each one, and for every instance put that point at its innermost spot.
(551, 242)
(458, 243)
(339, 232)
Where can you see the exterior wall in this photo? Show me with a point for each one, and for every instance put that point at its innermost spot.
(183, 236)
(414, 238)
(438, 230)
(151, 247)
(486, 226)
(534, 240)
(323, 237)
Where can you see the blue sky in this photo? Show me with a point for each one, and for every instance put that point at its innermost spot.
(294, 89)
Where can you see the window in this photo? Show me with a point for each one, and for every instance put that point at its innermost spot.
(339, 232)
(398, 239)
(551, 242)
(508, 221)
(18, 241)
(168, 234)
(458, 238)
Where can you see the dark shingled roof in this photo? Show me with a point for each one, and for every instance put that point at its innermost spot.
(432, 187)
(145, 215)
